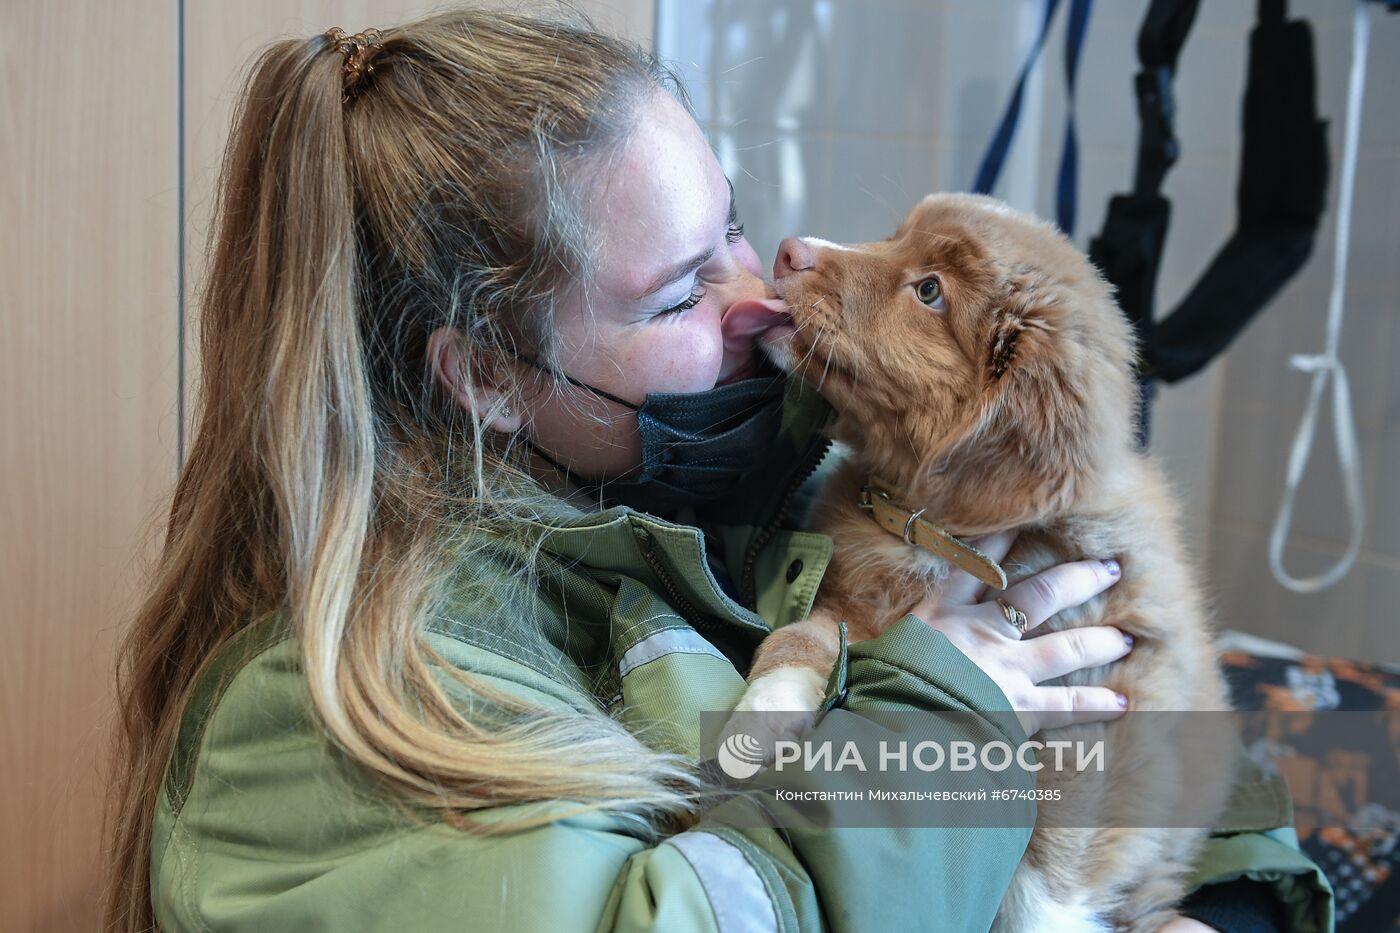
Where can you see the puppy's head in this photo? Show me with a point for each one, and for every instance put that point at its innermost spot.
(976, 358)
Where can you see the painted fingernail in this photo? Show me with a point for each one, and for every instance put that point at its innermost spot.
(1128, 639)
(1122, 701)
(1112, 567)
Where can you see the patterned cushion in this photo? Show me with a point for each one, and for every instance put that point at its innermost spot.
(1362, 864)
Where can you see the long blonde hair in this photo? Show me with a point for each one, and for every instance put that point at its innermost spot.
(327, 478)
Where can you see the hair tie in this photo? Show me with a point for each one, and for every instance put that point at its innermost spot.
(358, 50)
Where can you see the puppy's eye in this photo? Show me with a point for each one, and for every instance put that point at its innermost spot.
(930, 292)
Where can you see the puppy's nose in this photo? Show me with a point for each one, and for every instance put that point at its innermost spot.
(793, 256)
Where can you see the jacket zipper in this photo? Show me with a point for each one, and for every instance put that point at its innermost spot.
(748, 585)
(697, 619)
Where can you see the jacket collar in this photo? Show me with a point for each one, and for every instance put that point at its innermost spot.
(619, 539)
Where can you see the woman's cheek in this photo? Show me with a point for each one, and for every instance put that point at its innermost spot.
(679, 355)
(698, 353)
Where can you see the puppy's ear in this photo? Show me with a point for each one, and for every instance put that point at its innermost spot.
(1032, 440)
(1024, 317)
(1006, 331)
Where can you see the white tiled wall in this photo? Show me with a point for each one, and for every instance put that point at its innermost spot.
(1262, 398)
(834, 116)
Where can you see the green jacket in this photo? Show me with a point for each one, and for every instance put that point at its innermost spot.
(263, 825)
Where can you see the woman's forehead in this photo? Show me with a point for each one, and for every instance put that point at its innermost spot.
(663, 201)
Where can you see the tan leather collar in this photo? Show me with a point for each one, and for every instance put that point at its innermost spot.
(880, 500)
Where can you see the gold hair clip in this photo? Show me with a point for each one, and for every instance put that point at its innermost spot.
(358, 51)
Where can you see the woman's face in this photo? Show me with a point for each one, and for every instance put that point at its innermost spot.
(672, 262)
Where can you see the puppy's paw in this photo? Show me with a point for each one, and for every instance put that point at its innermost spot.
(778, 706)
(785, 690)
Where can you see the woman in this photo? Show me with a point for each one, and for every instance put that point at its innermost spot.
(439, 608)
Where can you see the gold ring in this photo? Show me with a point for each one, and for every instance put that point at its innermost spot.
(1016, 617)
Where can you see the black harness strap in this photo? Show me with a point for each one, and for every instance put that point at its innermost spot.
(1280, 195)
(1280, 198)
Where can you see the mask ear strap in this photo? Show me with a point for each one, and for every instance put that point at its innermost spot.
(582, 385)
(607, 395)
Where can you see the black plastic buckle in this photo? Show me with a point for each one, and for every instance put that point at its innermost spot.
(1159, 147)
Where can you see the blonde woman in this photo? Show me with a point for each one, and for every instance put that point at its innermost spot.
(451, 572)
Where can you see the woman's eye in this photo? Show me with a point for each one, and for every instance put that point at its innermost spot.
(735, 233)
(692, 301)
(930, 292)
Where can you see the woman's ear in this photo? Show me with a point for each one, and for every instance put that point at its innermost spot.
(476, 386)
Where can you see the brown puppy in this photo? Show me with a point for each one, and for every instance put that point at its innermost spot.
(981, 367)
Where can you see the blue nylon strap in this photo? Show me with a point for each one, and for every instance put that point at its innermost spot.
(1067, 192)
(995, 157)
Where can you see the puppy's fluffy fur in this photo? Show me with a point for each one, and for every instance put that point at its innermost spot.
(1009, 409)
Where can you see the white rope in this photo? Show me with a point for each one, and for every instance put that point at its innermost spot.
(1328, 364)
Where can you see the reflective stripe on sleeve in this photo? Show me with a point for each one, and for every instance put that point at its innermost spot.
(735, 890)
(671, 641)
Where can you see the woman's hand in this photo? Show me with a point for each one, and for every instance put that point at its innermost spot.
(980, 630)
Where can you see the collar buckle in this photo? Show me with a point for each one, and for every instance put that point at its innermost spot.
(877, 501)
(865, 504)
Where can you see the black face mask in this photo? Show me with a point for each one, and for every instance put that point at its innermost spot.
(695, 445)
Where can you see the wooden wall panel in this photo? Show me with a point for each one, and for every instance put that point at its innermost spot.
(89, 378)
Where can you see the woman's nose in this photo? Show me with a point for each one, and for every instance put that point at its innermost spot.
(793, 256)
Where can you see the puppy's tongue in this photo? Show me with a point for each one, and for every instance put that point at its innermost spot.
(746, 319)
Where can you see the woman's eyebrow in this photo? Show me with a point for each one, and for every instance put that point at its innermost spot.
(670, 275)
(695, 262)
